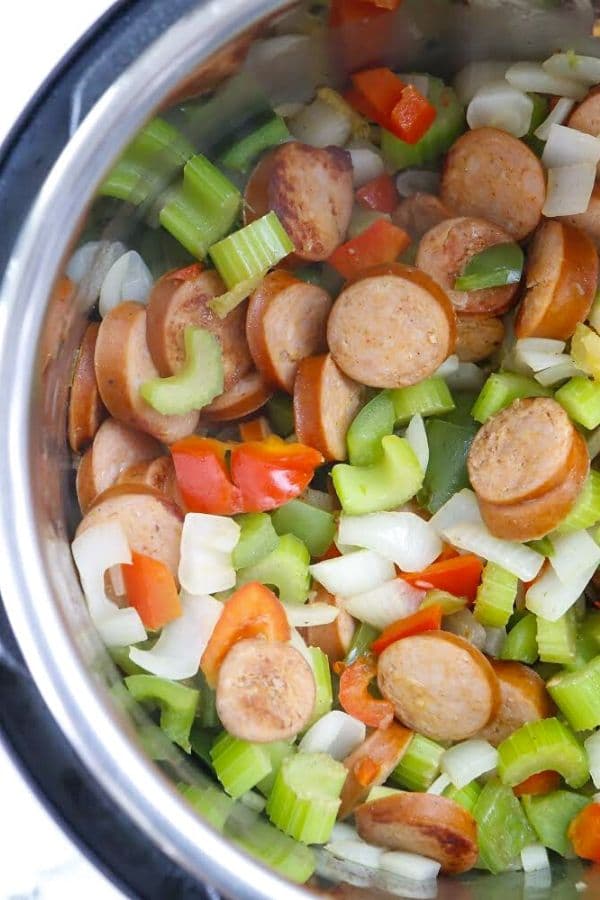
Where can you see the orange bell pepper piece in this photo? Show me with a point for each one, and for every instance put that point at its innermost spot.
(151, 590)
(255, 429)
(379, 194)
(271, 472)
(252, 611)
(203, 478)
(412, 115)
(540, 783)
(459, 575)
(378, 244)
(428, 619)
(355, 697)
(584, 832)
(348, 11)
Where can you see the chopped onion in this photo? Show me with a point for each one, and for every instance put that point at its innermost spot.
(286, 67)
(500, 105)
(569, 189)
(288, 110)
(311, 614)
(336, 733)
(410, 865)
(253, 801)
(522, 561)
(207, 544)
(550, 598)
(448, 367)
(299, 644)
(417, 438)
(353, 573)
(417, 181)
(460, 509)
(573, 552)
(379, 791)
(176, 654)
(533, 78)
(538, 883)
(575, 67)
(475, 75)
(538, 354)
(421, 82)
(468, 377)
(540, 345)
(534, 857)
(90, 264)
(357, 852)
(494, 641)
(402, 537)
(556, 117)
(439, 785)
(560, 372)
(344, 832)
(129, 278)
(385, 604)
(568, 147)
(320, 125)
(367, 164)
(468, 760)
(464, 624)
(592, 748)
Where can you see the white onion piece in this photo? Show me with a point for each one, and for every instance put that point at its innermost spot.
(539, 362)
(336, 733)
(500, 105)
(522, 561)
(559, 372)
(90, 264)
(357, 852)
(176, 654)
(592, 748)
(311, 614)
(385, 604)
(417, 181)
(379, 791)
(475, 75)
(207, 543)
(417, 438)
(410, 865)
(575, 67)
(299, 644)
(540, 345)
(468, 377)
(439, 785)
(288, 110)
(569, 189)
(568, 146)
(367, 164)
(95, 551)
(344, 832)
(320, 125)
(550, 598)
(286, 67)
(573, 552)
(556, 117)
(494, 641)
(448, 367)
(402, 537)
(420, 82)
(353, 573)
(534, 857)
(129, 278)
(464, 624)
(538, 883)
(533, 78)
(468, 760)
(460, 509)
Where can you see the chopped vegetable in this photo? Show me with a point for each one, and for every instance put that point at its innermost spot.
(412, 116)
(466, 797)
(405, 538)
(255, 429)
(356, 699)
(239, 765)
(285, 568)
(361, 642)
(459, 575)
(468, 760)
(577, 695)
(383, 605)
(569, 189)
(540, 783)
(420, 765)
(503, 388)
(592, 748)
(305, 797)
(500, 105)
(313, 526)
(383, 485)
(428, 619)
(244, 152)
(551, 598)
(556, 640)
(319, 664)
(521, 641)
(374, 422)
(205, 563)
(430, 397)
(446, 473)
(257, 539)
(210, 801)
(335, 733)
(495, 596)
(496, 266)
(380, 243)
(197, 383)
(584, 832)
(550, 816)
(541, 745)
(281, 414)
(379, 194)
(516, 558)
(177, 704)
(151, 590)
(449, 602)
(585, 350)
(267, 844)
(353, 573)
(502, 829)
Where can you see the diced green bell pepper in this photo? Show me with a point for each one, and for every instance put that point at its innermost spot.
(313, 526)
(178, 704)
(374, 421)
(496, 266)
(280, 412)
(430, 397)
(447, 469)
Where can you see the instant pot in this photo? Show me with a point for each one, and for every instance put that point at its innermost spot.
(61, 711)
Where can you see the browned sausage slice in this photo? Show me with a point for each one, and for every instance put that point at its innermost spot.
(256, 193)
(86, 409)
(158, 474)
(372, 763)
(181, 298)
(116, 447)
(586, 115)
(446, 249)
(521, 452)
(419, 213)
(325, 403)
(244, 398)
(123, 364)
(287, 321)
(588, 221)
(426, 824)
(561, 278)
(489, 173)
(265, 691)
(335, 638)
(151, 521)
(477, 337)
(392, 327)
(523, 698)
(439, 684)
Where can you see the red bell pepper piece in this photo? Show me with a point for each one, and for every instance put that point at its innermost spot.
(347, 11)
(379, 194)
(460, 575)
(355, 698)
(381, 96)
(271, 472)
(540, 783)
(255, 429)
(377, 245)
(151, 590)
(203, 478)
(381, 89)
(584, 832)
(412, 115)
(428, 619)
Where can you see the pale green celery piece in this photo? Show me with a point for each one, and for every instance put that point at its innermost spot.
(241, 155)
(322, 674)
(225, 303)
(550, 816)
(577, 695)
(540, 746)
(495, 596)
(580, 397)
(197, 383)
(466, 797)
(178, 704)
(521, 641)
(420, 765)
(201, 741)
(542, 545)
(313, 526)
(211, 802)
(257, 837)
(386, 484)
(239, 765)
(502, 827)
(278, 751)
(503, 388)
(284, 568)
(251, 251)
(374, 421)
(305, 798)
(557, 641)
(257, 539)
(586, 511)
(449, 602)
(430, 397)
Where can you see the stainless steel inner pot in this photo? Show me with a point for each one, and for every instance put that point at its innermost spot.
(39, 335)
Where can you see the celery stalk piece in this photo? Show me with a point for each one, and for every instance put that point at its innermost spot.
(257, 539)
(239, 765)
(466, 796)
(375, 420)
(177, 703)
(196, 384)
(322, 674)
(207, 708)
(586, 511)
(313, 526)
(521, 641)
(278, 851)
(539, 746)
(557, 640)
(361, 642)
(495, 596)
(550, 816)
(428, 398)
(241, 155)
(284, 568)
(543, 545)
(590, 627)
(503, 388)
(449, 602)
(502, 828)
(580, 397)
(278, 751)
(420, 765)
(305, 797)
(251, 251)
(211, 802)
(577, 695)
(386, 484)
(280, 413)
(201, 740)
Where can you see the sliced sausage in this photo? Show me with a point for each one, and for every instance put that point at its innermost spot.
(180, 299)
(325, 403)
(311, 191)
(521, 452)
(477, 337)
(335, 638)
(287, 321)
(372, 763)
(244, 398)
(265, 691)
(426, 824)
(560, 278)
(446, 249)
(158, 474)
(588, 221)
(586, 115)
(392, 327)
(523, 698)
(86, 409)
(419, 213)
(439, 684)
(151, 521)
(123, 363)
(116, 447)
(490, 173)
(532, 519)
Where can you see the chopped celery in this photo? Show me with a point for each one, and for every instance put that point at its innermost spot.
(207, 711)
(447, 469)
(225, 303)
(577, 695)
(280, 412)
(502, 828)
(586, 648)
(278, 751)
(538, 115)
(386, 484)
(428, 398)
(586, 511)
(503, 388)
(496, 266)
(585, 350)
(449, 602)
(239, 765)
(211, 802)
(197, 383)
(420, 765)
(319, 663)
(285, 568)
(177, 703)
(257, 539)
(590, 627)
(556, 640)
(550, 816)
(373, 422)
(580, 397)
(278, 851)
(542, 545)
(495, 596)
(314, 526)
(538, 747)
(251, 251)
(361, 642)
(120, 657)
(305, 797)
(521, 641)
(466, 797)
(201, 740)
(243, 153)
